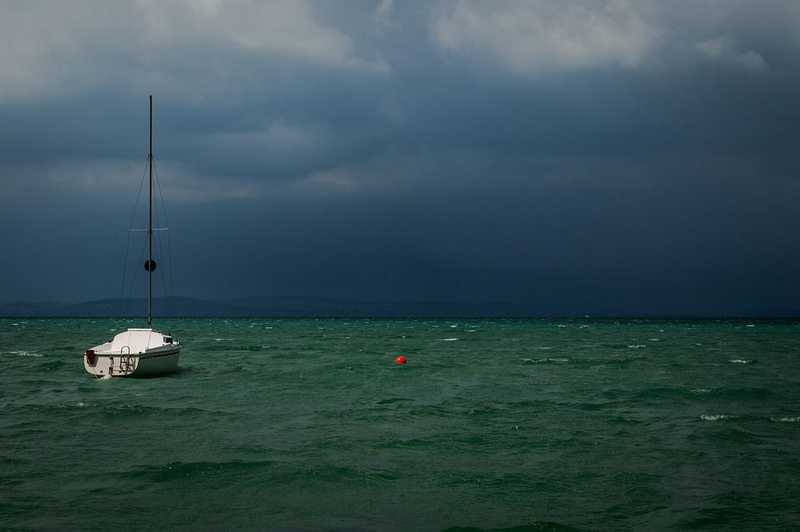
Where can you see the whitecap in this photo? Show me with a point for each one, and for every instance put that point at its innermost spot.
(739, 361)
(544, 348)
(653, 340)
(636, 346)
(794, 419)
(561, 326)
(449, 339)
(472, 330)
(26, 354)
(700, 390)
(453, 326)
(750, 325)
(715, 417)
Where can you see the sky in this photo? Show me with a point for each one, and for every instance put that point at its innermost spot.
(575, 157)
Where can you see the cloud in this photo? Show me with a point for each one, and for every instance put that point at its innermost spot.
(336, 180)
(279, 138)
(56, 48)
(722, 50)
(545, 35)
(383, 15)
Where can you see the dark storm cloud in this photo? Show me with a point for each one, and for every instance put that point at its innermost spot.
(600, 157)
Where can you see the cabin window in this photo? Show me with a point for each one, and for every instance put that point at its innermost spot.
(168, 339)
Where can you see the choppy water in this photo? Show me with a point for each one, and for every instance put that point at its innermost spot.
(493, 424)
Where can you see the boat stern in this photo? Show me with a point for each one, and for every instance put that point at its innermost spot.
(109, 365)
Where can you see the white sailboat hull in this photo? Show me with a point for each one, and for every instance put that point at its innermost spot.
(134, 353)
(160, 364)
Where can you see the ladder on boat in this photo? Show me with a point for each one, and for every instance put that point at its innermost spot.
(124, 364)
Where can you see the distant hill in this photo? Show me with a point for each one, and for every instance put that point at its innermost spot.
(174, 306)
(261, 306)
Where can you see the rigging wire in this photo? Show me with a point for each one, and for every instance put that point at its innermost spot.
(167, 278)
(134, 277)
(165, 289)
(140, 275)
(128, 244)
(169, 283)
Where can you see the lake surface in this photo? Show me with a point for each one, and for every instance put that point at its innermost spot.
(493, 424)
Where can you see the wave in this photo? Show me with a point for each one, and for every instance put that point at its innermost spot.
(716, 417)
(583, 362)
(237, 347)
(793, 419)
(212, 471)
(488, 409)
(740, 393)
(699, 395)
(539, 526)
(23, 354)
(184, 470)
(618, 346)
(392, 400)
(546, 360)
(116, 411)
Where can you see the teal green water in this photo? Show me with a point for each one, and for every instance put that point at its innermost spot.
(493, 424)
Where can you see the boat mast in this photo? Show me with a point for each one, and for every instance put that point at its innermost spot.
(150, 266)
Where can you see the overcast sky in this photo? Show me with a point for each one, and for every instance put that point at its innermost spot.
(574, 156)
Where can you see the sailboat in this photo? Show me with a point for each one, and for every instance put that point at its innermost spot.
(137, 351)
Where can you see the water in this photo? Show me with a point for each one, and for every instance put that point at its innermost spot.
(493, 424)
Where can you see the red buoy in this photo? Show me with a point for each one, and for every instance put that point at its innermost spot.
(400, 360)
